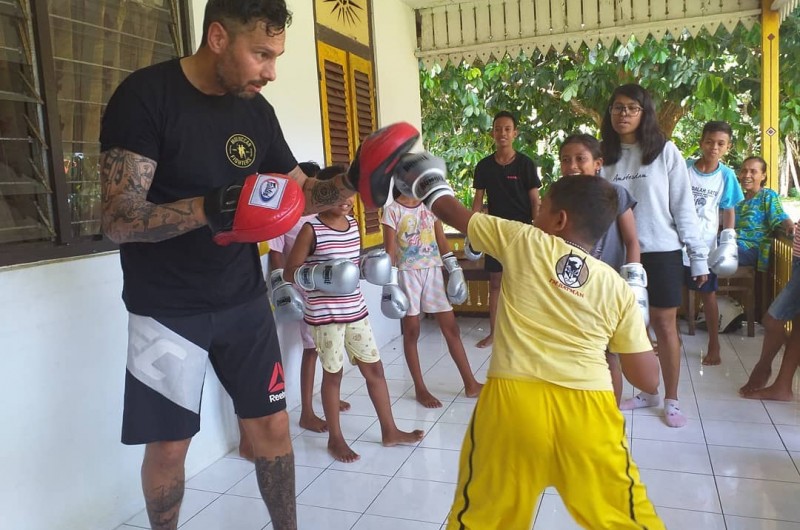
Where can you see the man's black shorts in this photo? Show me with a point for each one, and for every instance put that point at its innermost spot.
(167, 362)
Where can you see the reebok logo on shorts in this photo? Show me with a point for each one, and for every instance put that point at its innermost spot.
(277, 387)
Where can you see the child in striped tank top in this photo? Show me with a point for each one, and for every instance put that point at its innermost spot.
(340, 323)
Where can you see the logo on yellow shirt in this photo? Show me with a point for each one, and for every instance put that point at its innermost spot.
(572, 271)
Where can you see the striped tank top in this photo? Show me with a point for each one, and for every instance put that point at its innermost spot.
(329, 244)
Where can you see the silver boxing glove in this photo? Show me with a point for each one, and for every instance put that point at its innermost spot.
(394, 302)
(469, 252)
(422, 176)
(724, 260)
(288, 303)
(339, 276)
(636, 277)
(376, 267)
(456, 284)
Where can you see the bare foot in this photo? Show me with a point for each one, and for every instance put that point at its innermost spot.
(246, 452)
(343, 406)
(313, 423)
(342, 452)
(402, 437)
(712, 358)
(473, 390)
(758, 378)
(428, 400)
(770, 393)
(485, 342)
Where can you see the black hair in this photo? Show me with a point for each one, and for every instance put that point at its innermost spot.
(310, 168)
(590, 202)
(591, 143)
(505, 114)
(330, 172)
(648, 134)
(234, 13)
(763, 162)
(717, 126)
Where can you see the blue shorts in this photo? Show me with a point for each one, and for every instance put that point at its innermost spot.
(786, 305)
(748, 257)
(711, 285)
(491, 265)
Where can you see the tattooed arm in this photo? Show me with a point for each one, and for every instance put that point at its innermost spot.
(321, 195)
(127, 216)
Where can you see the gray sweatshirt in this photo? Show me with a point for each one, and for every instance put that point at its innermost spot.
(666, 218)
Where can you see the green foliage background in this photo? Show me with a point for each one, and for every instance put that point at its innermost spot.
(692, 80)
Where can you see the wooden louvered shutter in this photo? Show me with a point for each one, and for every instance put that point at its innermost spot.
(348, 116)
(360, 71)
(336, 114)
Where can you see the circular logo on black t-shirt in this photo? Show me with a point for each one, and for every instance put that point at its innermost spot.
(241, 150)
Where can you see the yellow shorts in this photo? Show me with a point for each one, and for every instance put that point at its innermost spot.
(354, 337)
(525, 436)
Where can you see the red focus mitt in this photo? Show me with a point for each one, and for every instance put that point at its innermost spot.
(372, 168)
(258, 208)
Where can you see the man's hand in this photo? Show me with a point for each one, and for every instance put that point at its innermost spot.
(371, 170)
(258, 208)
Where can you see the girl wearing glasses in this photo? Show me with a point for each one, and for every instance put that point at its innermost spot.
(638, 157)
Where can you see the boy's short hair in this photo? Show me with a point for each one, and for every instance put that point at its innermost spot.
(505, 114)
(237, 14)
(329, 172)
(717, 126)
(590, 202)
(310, 168)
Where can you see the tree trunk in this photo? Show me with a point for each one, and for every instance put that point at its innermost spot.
(669, 115)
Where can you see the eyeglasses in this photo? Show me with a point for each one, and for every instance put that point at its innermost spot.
(631, 110)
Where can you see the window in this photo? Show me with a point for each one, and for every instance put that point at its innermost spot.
(60, 61)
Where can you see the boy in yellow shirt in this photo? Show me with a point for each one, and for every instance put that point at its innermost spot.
(547, 415)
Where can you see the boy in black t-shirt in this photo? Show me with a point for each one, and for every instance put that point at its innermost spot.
(510, 181)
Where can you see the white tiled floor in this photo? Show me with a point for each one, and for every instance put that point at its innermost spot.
(733, 466)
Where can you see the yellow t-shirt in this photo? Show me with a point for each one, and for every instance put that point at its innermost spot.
(559, 308)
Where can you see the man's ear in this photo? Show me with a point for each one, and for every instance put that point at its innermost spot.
(218, 37)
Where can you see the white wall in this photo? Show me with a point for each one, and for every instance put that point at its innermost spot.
(394, 29)
(63, 330)
(63, 336)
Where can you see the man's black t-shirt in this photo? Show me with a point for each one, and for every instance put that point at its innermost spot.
(507, 186)
(199, 142)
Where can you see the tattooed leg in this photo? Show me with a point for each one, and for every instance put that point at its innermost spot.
(276, 483)
(275, 467)
(163, 482)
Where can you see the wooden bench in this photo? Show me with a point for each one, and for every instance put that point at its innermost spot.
(743, 283)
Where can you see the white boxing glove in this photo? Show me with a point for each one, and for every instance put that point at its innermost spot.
(422, 176)
(456, 284)
(394, 302)
(636, 277)
(339, 276)
(469, 252)
(724, 260)
(376, 267)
